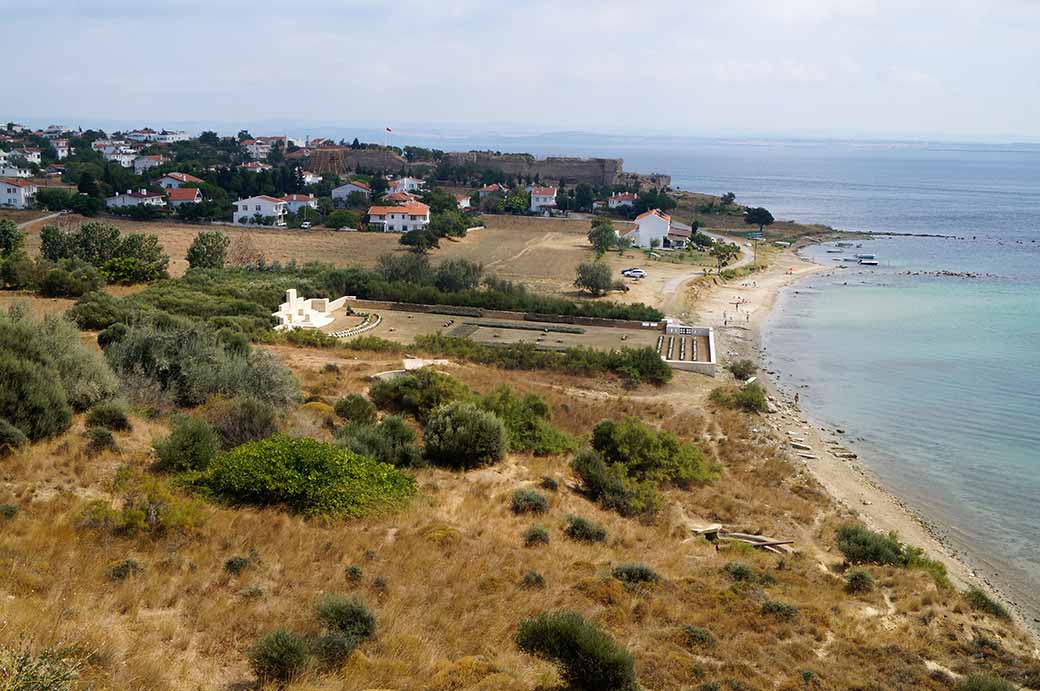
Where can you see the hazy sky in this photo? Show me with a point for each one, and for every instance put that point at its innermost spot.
(840, 67)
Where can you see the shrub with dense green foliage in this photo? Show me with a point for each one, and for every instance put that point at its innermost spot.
(99, 439)
(860, 545)
(527, 422)
(536, 535)
(984, 682)
(347, 615)
(11, 438)
(242, 419)
(50, 669)
(532, 580)
(781, 610)
(742, 369)
(739, 571)
(461, 436)
(859, 581)
(750, 398)
(593, 277)
(188, 365)
(110, 415)
(528, 501)
(130, 259)
(698, 636)
(279, 656)
(391, 441)
(584, 530)
(587, 658)
(236, 564)
(125, 569)
(148, 507)
(192, 444)
(208, 250)
(610, 486)
(356, 408)
(979, 600)
(633, 574)
(418, 393)
(306, 476)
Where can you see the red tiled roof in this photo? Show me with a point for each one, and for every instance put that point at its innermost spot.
(544, 191)
(267, 198)
(359, 183)
(299, 198)
(412, 208)
(655, 212)
(183, 177)
(399, 197)
(154, 157)
(183, 194)
(624, 197)
(16, 182)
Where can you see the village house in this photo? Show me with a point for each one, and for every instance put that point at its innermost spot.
(9, 170)
(296, 202)
(55, 131)
(61, 148)
(542, 199)
(143, 163)
(175, 180)
(411, 215)
(405, 184)
(495, 188)
(343, 191)
(30, 155)
(259, 148)
(463, 201)
(145, 135)
(621, 199)
(655, 229)
(183, 195)
(16, 193)
(310, 178)
(169, 137)
(400, 197)
(141, 197)
(260, 207)
(55, 169)
(122, 154)
(255, 167)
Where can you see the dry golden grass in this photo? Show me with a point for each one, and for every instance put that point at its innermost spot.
(453, 559)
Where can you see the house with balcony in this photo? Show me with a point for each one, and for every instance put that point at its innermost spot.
(61, 148)
(143, 163)
(655, 229)
(411, 215)
(296, 202)
(257, 209)
(183, 195)
(405, 184)
(174, 180)
(621, 199)
(543, 199)
(16, 193)
(141, 197)
(344, 191)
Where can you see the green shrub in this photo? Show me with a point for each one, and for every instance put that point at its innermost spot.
(110, 415)
(306, 476)
(742, 369)
(191, 446)
(112, 334)
(418, 393)
(11, 438)
(781, 610)
(859, 581)
(51, 669)
(649, 454)
(587, 658)
(532, 580)
(354, 573)
(148, 507)
(984, 682)
(632, 574)
(536, 535)
(236, 564)
(392, 441)
(528, 501)
(749, 397)
(739, 571)
(612, 488)
(346, 615)
(461, 436)
(125, 569)
(31, 399)
(70, 279)
(8, 511)
(99, 439)
(584, 530)
(698, 636)
(549, 483)
(242, 419)
(356, 408)
(527, 422)
(334, 648)
(279, 656)
(979, 600)
(860, 545)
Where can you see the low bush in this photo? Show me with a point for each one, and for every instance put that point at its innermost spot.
(279, 656)
(649, 454)
(587, 658)
(750, 398)
(860, 545)
(532, 580)
(191, 446)
(584, 530)
(109, 415)
(125, 569)
(781, 610)
(99, 439)
(739, 571)
(241, 420)
(984, 682)
(418, 393)
(333, 648)
(549, 483)
(527, 422)
(979, 600)
(858, 581)
(392, 441)
(148, 507)
(742, 369)
(353, 573)
(633, 574)
(536, 535)
(612, 488)
(698, 636)
(346, 615)
(11, 438)
(236, 564)
(51, 669)
(306, 476)
(461, 436)
(528, 501)
(356, 408)
(9, 511)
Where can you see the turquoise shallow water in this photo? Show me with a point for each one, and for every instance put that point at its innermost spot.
(937, 380)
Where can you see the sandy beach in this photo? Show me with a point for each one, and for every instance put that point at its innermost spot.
(738, 311)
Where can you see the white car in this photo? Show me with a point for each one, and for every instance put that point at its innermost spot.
(305, 225)
(633, 273)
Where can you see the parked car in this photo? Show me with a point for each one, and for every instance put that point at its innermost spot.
(305, 225)
(634, 272)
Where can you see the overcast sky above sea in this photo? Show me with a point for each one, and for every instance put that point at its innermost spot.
(925, 68)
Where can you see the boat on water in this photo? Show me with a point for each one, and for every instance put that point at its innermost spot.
(843, 244)
(838, 251)
(866, 256)
(868, 262)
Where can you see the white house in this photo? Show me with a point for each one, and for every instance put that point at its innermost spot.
(296, 202)
(168, 137)
(463, 200)
(16, 194)
(404, 184)
(121, 154)
(542, 199)
(30, 155)
(411, 215)
(141, 197)
(143, 163)
(183, 195)
(343, 191)
(254, 166)
(9, 170)
(61, 147)
(260, 147)
(174, 180)
(145, 135)
(55, 131)
(621, 199)
(655, 229)
(246, 210)
(310, 178)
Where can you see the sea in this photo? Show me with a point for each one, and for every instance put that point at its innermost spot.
(931, 360)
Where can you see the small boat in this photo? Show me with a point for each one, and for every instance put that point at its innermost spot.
(843, 244)
(834, 251)
(866, 256)
(868, 262)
